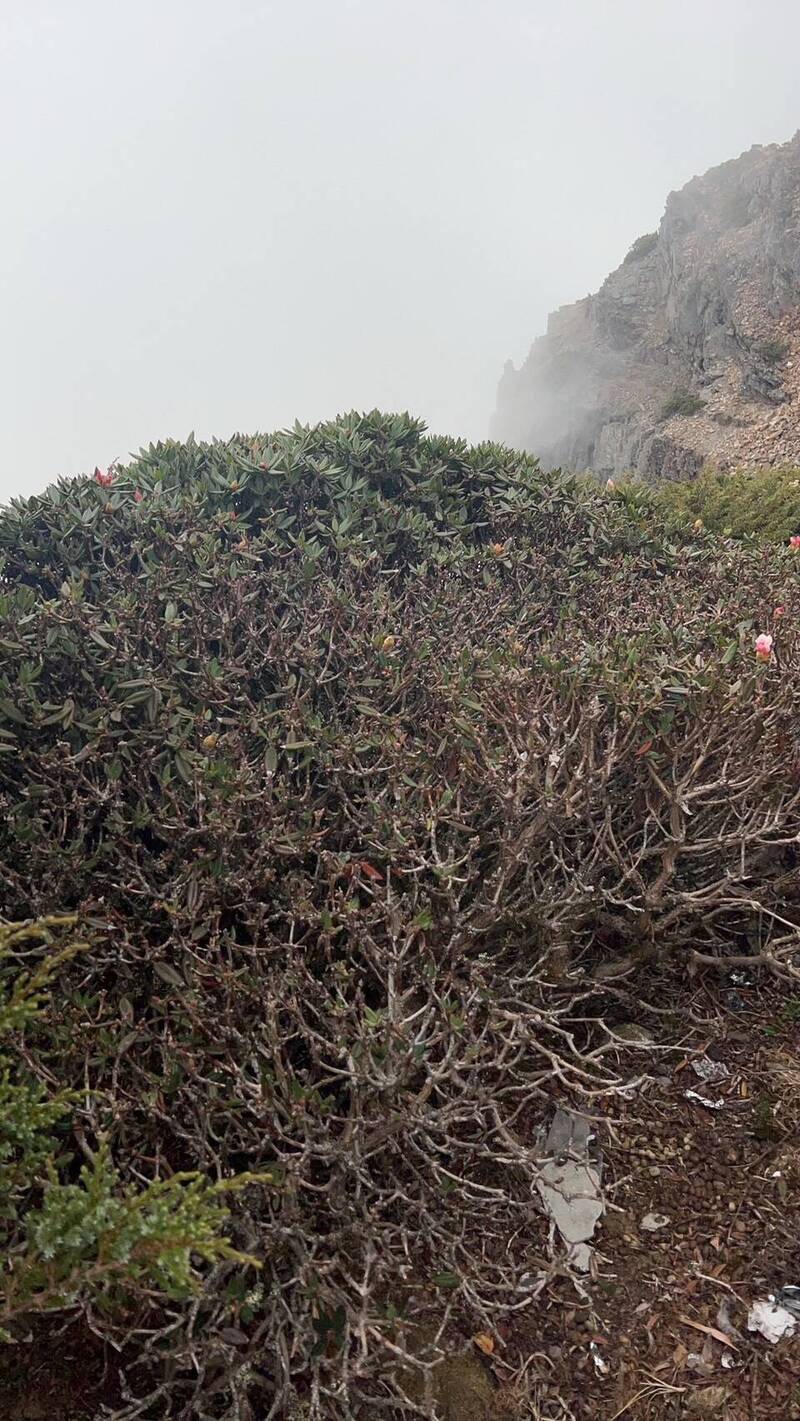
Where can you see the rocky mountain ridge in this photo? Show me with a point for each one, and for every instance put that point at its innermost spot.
(690, 350)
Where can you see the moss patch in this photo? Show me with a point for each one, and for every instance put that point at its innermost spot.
(462, 1388)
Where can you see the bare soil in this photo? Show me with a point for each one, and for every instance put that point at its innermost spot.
(728, 1180)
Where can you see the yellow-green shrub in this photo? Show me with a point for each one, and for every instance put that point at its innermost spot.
(760, 503)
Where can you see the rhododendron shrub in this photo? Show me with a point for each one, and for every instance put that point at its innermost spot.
(351, 789)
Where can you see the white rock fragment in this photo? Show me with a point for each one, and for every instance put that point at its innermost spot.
(709, 1070)
(771, 1320)
(569, 1185)
(651, 1223)
(600, 1364)
(701, 1100)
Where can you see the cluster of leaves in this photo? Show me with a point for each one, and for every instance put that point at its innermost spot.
(355, 747)
(681, 402)
(64, 1243)
(758, 503)
(335, 487)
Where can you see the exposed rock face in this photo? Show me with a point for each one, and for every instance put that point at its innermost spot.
(706, 309)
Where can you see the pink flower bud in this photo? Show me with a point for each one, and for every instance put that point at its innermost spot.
(138, 496)
(794, 541)
(764, 646)
(104, 480)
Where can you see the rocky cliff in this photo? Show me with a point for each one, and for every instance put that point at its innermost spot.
(690, 350)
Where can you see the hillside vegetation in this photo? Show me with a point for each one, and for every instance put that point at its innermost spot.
(355, 753)
(762, 504)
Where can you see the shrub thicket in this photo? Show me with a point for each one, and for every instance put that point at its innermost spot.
(681, 402)
(763, 504)
(642, 247)
(355, 748)
(774, 350)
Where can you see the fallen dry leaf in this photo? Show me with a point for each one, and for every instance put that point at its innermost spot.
(370, 871)
(484, 1343)
(709, 1331)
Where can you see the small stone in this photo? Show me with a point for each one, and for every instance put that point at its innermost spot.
(709, 1401)
(633, 1032)
(651, 1223)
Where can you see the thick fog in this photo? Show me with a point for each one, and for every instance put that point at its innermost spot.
(231, 214)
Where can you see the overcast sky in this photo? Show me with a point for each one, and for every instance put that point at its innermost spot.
(226, 215)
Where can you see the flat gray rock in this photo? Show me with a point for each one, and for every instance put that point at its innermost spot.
(569, 1185)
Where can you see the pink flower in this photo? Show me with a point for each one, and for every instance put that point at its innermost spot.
(138, 496)
(779, 612)
(104, 480)
(764, 646)
(794, 541)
